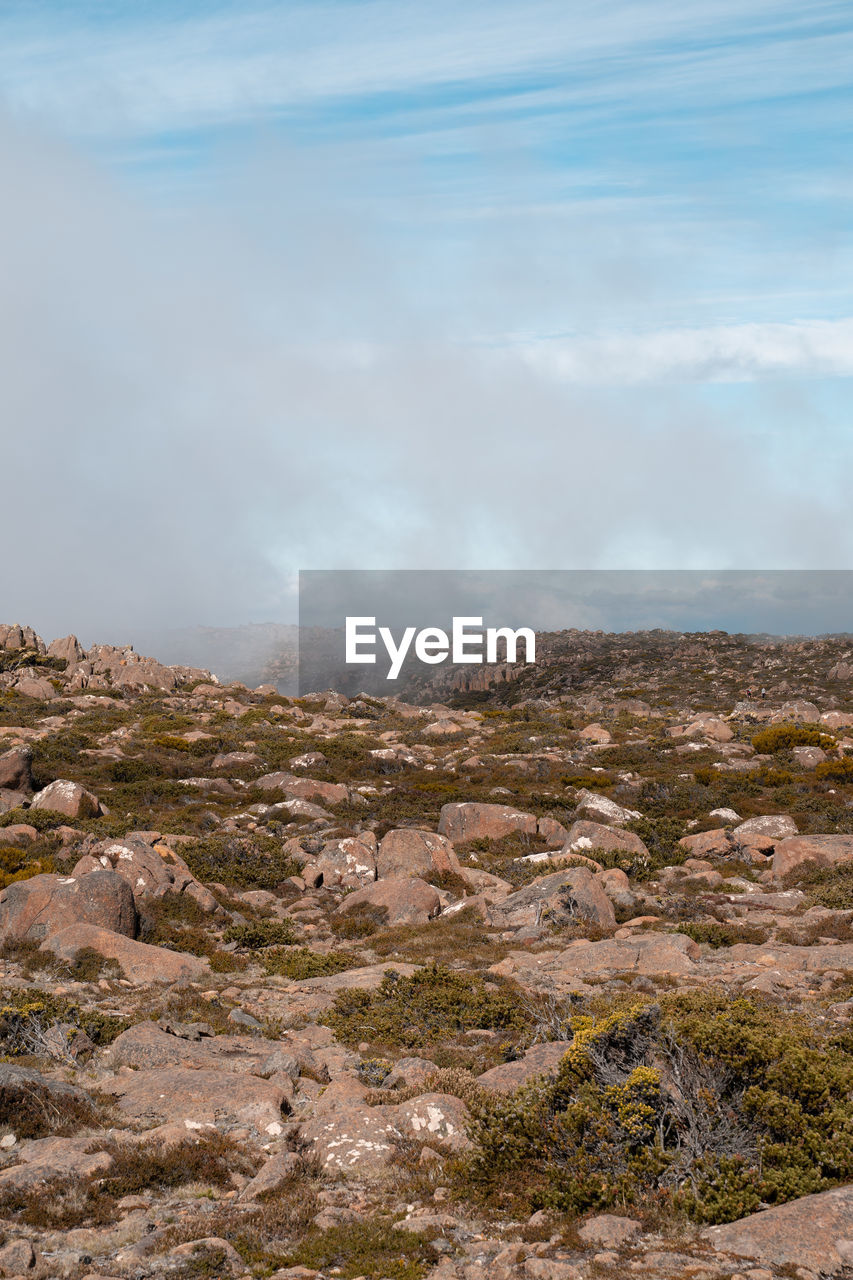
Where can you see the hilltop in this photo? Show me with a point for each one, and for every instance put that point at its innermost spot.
(549, 976)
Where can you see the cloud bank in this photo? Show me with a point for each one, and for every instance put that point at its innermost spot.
(196, 405)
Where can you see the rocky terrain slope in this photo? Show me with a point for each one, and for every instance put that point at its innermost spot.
(553, 982)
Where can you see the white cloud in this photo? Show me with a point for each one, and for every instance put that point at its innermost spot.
(716, 353)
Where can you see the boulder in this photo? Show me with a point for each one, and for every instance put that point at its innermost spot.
(17, 1257)
(799, 709)
(809, 757)
(11, 800)
(151, 870)
(552, 831)
(140, 963)
(585, 835)
(15, 769)
(644, 955)
(275, 1174)
(411, 852)
(69, 648)
(801, 851)
(35, 687)
(775, 826)
(68, 798)
(709, 844)
(347, 1136)
(599, 808)
(46, 1159)
(350, 863)
(838, 719)
(40, 907)
(303, 788)
(539, 1060)
(469, 820)
(411, 901)
(199, 1097)
(595, 733)
(207, 1253)
(436, 1118)
(558, 899)
(815, 1232)
(609, 1230)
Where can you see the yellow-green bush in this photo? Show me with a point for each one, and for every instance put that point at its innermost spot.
(782, 737)
(703, 1103)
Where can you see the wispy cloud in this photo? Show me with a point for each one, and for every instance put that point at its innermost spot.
(718, 353)
(130, 71)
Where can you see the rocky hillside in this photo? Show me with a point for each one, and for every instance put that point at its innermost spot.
(557, 985)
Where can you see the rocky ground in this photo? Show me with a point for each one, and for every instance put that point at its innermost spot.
(549, 979)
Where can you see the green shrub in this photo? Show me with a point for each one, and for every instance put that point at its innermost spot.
(719, 934)
(704, 1103)
(300, 963)
(782, 737)
(241, 862)
(369, 1247)
(426, 1009)
(25, 1014)
(42, 819)
(825, 886)
(261, 933)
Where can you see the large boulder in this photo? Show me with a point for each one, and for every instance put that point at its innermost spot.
(800, 710)
(152, 870)
(800, 851)
(410, 852)
(303, 788)
(557, 899)
(35, 687)
(472, 821)
(814, 1231)
(411, 901)
(196, 1098)
(67, 798)
(43, 905)
(139, 962)
(773, 826)
(709, 844)
(69, 648)
(15, 770)
(585, 835)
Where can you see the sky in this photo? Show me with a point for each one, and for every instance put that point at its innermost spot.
(359, 285)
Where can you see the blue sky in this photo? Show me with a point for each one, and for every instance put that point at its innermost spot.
(526, 284)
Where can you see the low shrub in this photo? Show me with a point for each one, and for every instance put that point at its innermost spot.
(256, 934)
(26, 1014)
(35, 1111)
(722, 934)
(240, 862)
(782, 737)
(370, 1247)
(425, 1010)
(713, 1106)
(836, 770)
(300, 963)
(825, 886)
